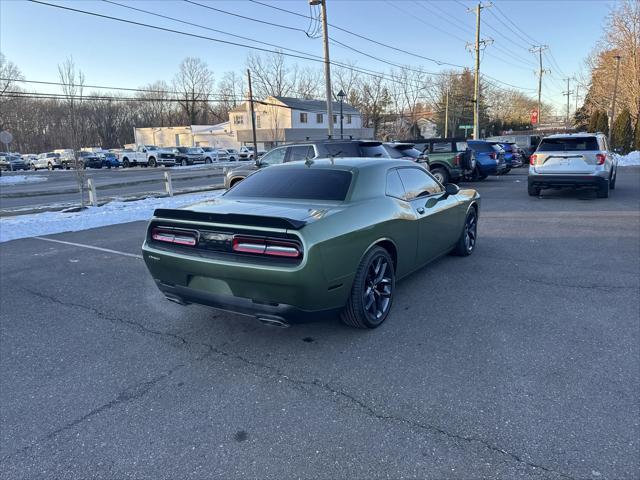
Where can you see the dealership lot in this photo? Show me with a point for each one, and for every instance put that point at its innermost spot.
(521, 360)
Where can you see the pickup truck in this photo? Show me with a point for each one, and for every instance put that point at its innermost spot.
(246, 153)
(147, 156)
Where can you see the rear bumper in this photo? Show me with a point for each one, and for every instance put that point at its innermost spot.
(243, 306)
(575, 181)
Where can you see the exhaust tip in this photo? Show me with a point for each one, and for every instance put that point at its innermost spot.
(273, 322)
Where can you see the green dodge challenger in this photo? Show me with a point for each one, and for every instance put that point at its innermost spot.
(307, 239)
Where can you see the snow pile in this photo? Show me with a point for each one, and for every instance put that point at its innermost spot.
(15, 179)
(112, 213)
(632, 158)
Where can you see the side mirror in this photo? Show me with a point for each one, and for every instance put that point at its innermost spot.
(258, 162)
(431, 202)
(451, 189)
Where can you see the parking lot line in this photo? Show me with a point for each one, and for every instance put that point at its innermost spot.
(90, 247)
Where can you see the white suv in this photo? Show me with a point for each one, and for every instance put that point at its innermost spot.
(578, 160)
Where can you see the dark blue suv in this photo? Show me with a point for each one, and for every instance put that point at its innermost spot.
(489, 159)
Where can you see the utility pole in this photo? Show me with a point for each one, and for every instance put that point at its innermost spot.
(568, 95)
(446, 116)
(577, 91)
(327, 63)
(476, 82)
(253, 118)
(615, 94)
(539, 49)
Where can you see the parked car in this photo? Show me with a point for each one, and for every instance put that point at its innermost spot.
(186, 155)
(246, 153)
(511, 157)
(86, 160)
(29, 158)
(580, 160)
(302, 239)
(307, 151)
(49, 160)
(146, 155)
(110, 159)
(450, 159)
(214, 155)
(528, 143)
(11, 163)
(489, 159)
(233, 154)
(406, 151)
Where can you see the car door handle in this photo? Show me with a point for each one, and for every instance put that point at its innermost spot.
(420, 210)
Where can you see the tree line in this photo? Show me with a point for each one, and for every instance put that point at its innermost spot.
(392, 104)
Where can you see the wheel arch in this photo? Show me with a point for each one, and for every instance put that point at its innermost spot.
(389, 245)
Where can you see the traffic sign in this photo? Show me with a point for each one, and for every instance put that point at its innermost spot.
(465, 127)
(6, 137)
(534, 115)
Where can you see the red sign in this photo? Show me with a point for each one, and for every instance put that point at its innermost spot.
(534, 115)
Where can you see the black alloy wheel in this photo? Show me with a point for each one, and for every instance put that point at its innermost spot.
(372, 292)
(184, 162)
(467, 242)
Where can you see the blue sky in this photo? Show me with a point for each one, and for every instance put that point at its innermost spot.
(37, 38)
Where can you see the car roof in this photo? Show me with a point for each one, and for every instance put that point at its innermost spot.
(332, 141)
(573, 135)
(346, 163)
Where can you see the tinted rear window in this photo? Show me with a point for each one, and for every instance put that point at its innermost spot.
(481, 146)
(353, 149)
(308, 184)
(568, 144)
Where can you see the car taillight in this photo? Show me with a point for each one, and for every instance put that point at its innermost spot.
(458, 159)
(600, 158)
(177, 237)
(532, 159)
(266, 246)
(493, 155)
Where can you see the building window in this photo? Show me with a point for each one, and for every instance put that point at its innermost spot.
(238, 119)
(348, 119)
(258, 121)
(303, 117)
(335, 119)
(319, 118)
(177, 140)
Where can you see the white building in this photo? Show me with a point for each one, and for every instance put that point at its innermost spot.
(285, 120)
(278, 120)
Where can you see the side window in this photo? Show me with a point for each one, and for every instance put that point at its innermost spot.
(274, 156)
(301, 152)
(418, 183)
(441, 147)
(303, 118)
(394, 185)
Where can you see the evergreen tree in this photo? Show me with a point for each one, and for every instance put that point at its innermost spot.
(594, 121)
(636, 135)
(603, 123)
(622, 133)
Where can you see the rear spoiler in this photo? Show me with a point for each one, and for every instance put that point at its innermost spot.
(230, 218)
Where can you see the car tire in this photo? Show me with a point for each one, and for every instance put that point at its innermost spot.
(476, 176)
(469, 236)
(207, 160)
(152, 162)
(612, 181)
(33, 167)
(184, 163)
(125, 163)
(50, 167)
(440, 174)
(533, 191)
(372, 291)
(232, 159)
(603, 191)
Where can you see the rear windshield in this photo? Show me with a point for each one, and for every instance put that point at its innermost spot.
(568, 144)
(307, 184)
(353, 149)
(481, 146)
(410, 152)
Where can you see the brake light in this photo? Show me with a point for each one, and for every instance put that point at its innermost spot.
(600, 158)
(493, 155)
(532, 159)
(457, 159)
(266, 246)
(177, 237)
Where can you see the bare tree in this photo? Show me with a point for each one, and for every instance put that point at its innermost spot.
(309, 83)
(72, 81)
(194, 82)
(231, 92)
(9, 73)
(270, 76)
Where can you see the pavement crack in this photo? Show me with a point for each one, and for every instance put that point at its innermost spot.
(371, 412)
(116, 320)
(587, 287)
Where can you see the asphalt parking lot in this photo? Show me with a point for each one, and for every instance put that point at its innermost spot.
(522, 360)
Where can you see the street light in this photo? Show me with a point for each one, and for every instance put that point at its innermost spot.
(341, 95)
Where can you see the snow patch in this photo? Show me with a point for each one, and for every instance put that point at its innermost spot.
(15, 179)
(112, 213)
(629, 159)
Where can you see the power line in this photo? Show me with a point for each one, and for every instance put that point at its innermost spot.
(531, 41)
(377, 42)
